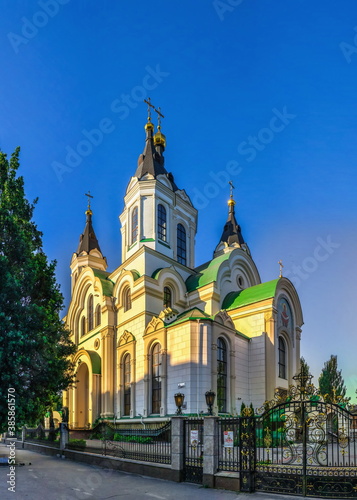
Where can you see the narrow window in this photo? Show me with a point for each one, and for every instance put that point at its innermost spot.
(134, 225)
(127, 383)
(127, 299)
(181, 244)
(282, 358)
(90, 313)
(167, 297)
(156, 379)
(161, 223)
(98, 315)
(221, 375)
(83, 326)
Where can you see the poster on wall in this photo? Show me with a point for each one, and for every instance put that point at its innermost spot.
(228, 439)
(194, 438)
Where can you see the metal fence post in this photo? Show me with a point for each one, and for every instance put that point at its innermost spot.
(247, 443)
(177, 446)
(64, 436)
(23, 436)
(210, 450)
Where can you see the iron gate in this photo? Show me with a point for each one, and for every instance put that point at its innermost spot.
(193, 450)
(306, 448)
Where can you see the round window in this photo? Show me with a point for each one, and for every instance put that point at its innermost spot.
(96, 344)
(240, 281)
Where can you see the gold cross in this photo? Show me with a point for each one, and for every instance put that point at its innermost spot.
(159, 116)
(281, 268)
(148, 102)
(89, 197)
(231, 188)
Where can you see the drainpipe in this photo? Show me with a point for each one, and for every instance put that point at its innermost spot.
(198, 365)
(115, 381)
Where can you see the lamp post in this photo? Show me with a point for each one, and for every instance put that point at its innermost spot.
(210, 395)
(179, 398)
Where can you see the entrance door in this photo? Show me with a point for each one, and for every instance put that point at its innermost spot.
(82, 396)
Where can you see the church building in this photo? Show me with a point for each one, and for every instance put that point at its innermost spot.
(158, 325)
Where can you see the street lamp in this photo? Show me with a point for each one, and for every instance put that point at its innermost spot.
(179, 398)
(210, 395)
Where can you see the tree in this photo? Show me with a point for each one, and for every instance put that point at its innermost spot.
(304, 367)
(331, 383)
(35, 347)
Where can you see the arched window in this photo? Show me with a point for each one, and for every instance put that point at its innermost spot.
(221, 375)
(98, 315)
(161, 223)
(282, 358)
(167, 297)
(134, 225)
(83, 326)
(181, 244)
(127, 383)
(127, 299)
(156, 379)
(90, 313)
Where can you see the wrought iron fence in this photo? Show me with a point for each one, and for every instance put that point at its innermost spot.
(228, 444)
(149, 442)
(193, 450)
(48, 437)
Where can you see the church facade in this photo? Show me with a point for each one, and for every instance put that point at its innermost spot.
(158, 325)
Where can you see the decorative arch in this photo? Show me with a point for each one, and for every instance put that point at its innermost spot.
(126, 338)
(168, 276)
(223, 318)
(126, 278)
(285, 289)
(155, 324)
(85, 397)
(238, 263)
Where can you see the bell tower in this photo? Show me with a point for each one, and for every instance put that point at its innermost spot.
(157, 214)
(88, 252)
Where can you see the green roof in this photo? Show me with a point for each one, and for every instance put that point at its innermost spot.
(107, 284)
(206, 273)
(191, 315)
(135, 273)
(250, 295)
(96, 362)
(155, 274)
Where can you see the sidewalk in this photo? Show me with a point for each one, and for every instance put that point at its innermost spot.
(53, 478)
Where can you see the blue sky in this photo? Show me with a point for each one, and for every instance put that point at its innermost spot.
(260, 92)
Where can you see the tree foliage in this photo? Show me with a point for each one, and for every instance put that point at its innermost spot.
(304, 367)
(34, 344)
(331, 383)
